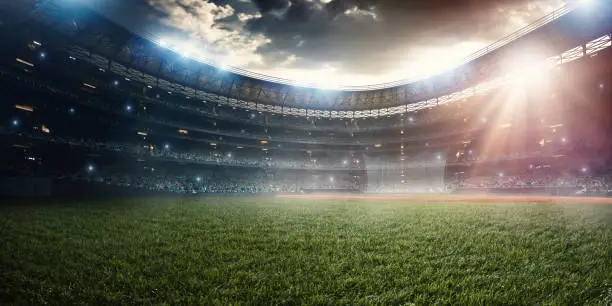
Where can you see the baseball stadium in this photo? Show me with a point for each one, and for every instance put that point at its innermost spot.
(134, 170)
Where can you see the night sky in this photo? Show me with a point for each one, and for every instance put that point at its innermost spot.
(347, 42)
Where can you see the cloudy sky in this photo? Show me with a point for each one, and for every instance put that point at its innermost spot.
(344, 42)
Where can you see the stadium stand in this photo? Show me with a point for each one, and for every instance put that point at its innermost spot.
(102, 114)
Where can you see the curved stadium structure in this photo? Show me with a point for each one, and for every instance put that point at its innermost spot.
(119, 111)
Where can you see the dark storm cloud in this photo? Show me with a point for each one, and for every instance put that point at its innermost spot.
(363, 40)
(266, 6)
(362, 37)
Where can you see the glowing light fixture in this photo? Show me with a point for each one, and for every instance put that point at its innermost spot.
(24, 62)
(24, 107)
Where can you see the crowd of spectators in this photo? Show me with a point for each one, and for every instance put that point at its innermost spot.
(230, 183)
(585, 183)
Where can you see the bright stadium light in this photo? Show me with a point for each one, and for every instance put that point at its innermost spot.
(15, 122)
(344, 162)
(501, 174)
(528, 70)
(584, 170)
(71, 110)
(223, 66)
(166, 146)
(128, 108)
(90, 168)
(115, 82)
(198, 179)
(43, 55)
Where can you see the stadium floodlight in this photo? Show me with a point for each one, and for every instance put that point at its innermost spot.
(36, 43)
(198, 179)
(344, 162)
(531, 69)
(15, 122)
(115, 82)
(501, 174)
(166, 146)
(90, 168)
(584, 170)
(223, 66)
(71, 110)
(128, 108)
(43, 55)
(229, 155)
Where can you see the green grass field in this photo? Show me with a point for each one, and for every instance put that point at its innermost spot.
(264, 250)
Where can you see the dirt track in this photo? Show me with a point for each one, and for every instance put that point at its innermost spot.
(453, 198)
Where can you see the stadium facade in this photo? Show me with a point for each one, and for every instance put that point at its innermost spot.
(92, 105)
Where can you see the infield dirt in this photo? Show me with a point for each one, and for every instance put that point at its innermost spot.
(453, 198)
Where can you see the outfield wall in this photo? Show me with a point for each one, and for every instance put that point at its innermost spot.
(25, 187)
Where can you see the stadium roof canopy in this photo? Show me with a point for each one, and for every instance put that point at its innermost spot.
(138, 56)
